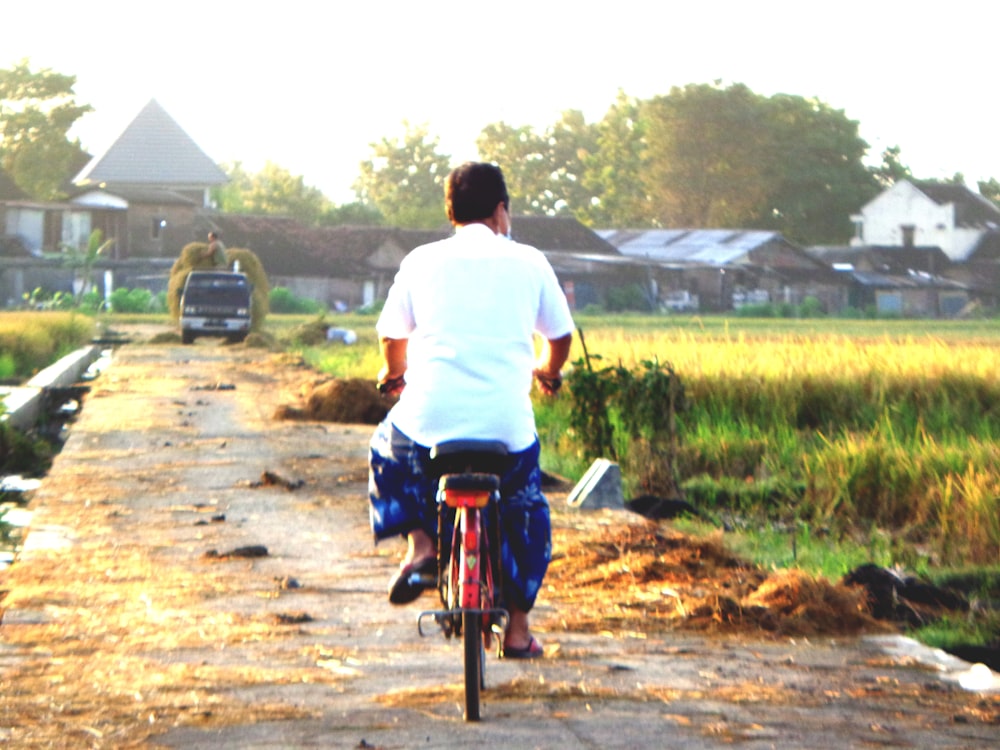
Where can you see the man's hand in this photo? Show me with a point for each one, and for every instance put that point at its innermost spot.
(390, 385)
(549, 384)
(390, 376)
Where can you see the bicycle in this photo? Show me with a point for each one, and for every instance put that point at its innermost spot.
(468, 499)
(469, 579)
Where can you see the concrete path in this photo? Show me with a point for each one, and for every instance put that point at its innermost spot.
(127, 623)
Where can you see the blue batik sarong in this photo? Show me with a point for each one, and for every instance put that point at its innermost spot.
(402, 498)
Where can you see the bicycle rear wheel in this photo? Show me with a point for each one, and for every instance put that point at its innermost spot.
(472, 641)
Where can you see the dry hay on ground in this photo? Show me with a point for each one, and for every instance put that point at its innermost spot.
(92, 672)
(646, 577)
(345, 400)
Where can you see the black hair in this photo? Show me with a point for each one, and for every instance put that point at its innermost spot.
(473, 190)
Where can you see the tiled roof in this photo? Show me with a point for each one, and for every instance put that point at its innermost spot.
(988, 247)
(153, 150)
(288, 247)
(911, 280)
(971, 208)
(559, 234)
(892, 260)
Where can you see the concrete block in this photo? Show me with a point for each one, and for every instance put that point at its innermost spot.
(23, 404)
(67, 370)
(600, 487)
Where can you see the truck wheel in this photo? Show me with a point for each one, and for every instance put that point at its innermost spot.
(187, 337)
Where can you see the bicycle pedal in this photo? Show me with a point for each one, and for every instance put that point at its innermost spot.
(427, 580)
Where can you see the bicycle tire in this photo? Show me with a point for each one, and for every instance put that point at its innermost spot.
(472, 641)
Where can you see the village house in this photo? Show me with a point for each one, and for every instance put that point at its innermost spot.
(149, 192)
(898, 281)
(159, 176)
(144, 193)
(345, 267)
(341, 267)
(928, 214)
(920, 249)
(723, 269)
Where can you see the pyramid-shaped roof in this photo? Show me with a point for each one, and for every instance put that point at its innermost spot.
(155, 151)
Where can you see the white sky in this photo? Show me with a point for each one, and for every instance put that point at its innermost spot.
(310, 84)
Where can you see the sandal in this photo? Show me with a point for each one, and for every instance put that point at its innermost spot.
(533, 650)
(411, 580)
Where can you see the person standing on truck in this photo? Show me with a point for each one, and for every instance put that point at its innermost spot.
(215, 251)
(459, 322)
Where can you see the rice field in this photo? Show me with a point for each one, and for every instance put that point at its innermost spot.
(878, 427)
(30, 341)
(881, 430)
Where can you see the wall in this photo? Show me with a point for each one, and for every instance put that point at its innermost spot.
(934, 224)
(141, 242)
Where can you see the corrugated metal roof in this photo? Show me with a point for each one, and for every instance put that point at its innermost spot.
(911, 280)
(712, 246)
(153, 150)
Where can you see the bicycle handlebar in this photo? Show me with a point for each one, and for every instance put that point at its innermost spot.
(549, 385)
(392, 385)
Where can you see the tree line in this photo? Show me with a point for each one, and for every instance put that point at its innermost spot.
(700, 156)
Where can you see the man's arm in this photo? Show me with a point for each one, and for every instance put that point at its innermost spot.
(550, 361)
(393, 362)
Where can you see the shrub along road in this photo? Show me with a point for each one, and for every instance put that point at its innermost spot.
(199, 574)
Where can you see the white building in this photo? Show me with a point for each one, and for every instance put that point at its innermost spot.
(927, 214)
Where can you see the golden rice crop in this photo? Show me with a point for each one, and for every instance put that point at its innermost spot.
(32, 340)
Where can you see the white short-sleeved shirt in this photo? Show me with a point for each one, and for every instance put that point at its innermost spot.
(469, 306)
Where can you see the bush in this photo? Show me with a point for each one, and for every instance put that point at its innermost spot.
(755, 311)
(630, 297)
(284, 300)
(131, 300)
(811, 307)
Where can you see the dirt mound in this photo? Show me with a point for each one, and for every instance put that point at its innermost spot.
(646, 577)
(346, 400)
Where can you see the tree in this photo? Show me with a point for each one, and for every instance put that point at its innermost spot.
(815, 161)
(613, 174)
(706, 156)
(544, 171)
(990, 189)
(404, 179)
(272, 191)
(82, 260)
(37, 110)
(520, 152)
(355, 214)
(729, 158)
(892, 169)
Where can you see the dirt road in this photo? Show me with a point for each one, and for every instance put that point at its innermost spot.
(128, 623)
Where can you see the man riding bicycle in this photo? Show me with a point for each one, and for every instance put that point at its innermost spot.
(459, 323)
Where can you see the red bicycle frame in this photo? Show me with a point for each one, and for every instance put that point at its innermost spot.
(469, 575)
